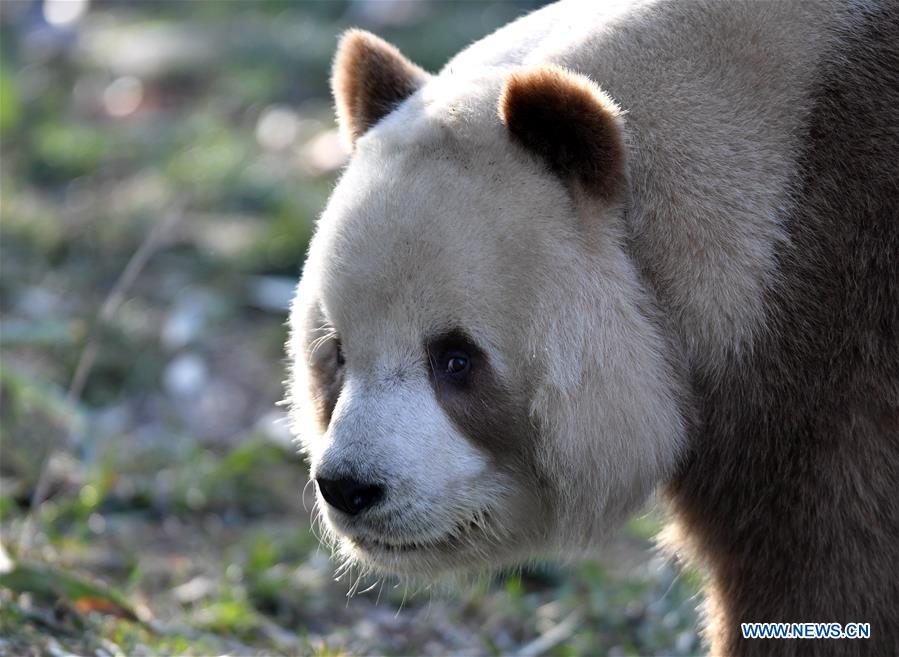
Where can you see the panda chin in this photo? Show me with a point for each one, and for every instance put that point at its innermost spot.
(411, 556)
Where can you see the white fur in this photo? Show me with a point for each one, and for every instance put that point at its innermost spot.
(418, 238)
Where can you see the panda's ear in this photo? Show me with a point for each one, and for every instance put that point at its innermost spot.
(369, 79)
(568, 121)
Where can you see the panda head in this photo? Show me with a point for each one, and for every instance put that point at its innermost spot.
(477, 375)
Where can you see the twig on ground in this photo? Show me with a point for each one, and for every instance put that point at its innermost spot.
(551, 638)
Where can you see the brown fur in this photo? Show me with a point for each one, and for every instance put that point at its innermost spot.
(370, 78)
(326, 376)
(790, 495)
(487, 410)
(565, 119)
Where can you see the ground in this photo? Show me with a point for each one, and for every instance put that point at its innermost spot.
(162, 168)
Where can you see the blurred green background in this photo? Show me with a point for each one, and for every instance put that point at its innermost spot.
(163, 164)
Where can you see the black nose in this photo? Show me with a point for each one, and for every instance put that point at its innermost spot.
(349, 495)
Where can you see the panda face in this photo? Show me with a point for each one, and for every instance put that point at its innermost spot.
(473, 380)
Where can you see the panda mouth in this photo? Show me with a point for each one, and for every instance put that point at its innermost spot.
(461, 533)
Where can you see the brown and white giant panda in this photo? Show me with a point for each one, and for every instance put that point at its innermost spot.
(611, 249)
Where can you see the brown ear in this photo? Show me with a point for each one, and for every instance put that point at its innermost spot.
(369, 79)
(570, 123)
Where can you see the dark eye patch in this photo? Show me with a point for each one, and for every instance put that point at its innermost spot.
(325, 360)
(339, 358)
(487, 410)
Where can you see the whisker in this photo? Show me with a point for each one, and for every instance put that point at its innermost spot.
(303, 495)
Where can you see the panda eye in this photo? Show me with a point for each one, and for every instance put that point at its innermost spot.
(339, 357)
(455, 359)
(456, 363)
